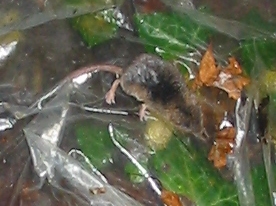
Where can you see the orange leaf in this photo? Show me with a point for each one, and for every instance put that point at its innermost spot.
(223, 146)
(231, 84)
(233, 67)
(227, 133)
(208, 71)
(241, 81)
(170, 198)
(228, 79)
(230, 87)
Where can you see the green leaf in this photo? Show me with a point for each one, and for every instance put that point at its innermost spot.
(258, 54)
(254, 19)
(95, 28)
(135, 175)
(183, 169)
(260, 186)
(171, 35)
(271, 116)
(95, 143)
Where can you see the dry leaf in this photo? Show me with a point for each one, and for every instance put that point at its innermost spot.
(231, 80)
(233, 85)
(228, 79)
(229, 86)
(208, 71)
(223, 146)
(170, 198)
(233, 67)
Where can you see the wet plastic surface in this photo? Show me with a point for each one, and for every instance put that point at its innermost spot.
(48, 117)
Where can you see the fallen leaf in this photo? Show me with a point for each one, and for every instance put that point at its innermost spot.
(233, 85)
(223, 146)
(229, 79)
(170, 198)
(229, 86)
(94, 142)
(233, 67)
(169, 31)
(208, 72)
(184, 169)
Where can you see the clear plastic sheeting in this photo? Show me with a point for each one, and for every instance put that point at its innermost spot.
(20, 15)
(61, 143)
(241, 164)
(44, 134)
(58, 166)
(6, 123)
(230, 27)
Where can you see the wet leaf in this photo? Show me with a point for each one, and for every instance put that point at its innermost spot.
(95, 143)
(258, 55)
(260, 185)
(95, 28)
(183, 169)
(171, 35)
(135, 175)
(254, 19)
(222, 146)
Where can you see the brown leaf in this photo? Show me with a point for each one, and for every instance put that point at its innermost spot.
(229, 79)
(230, 87)
(170, 198)
(222, 146)
(208, 71)
(241, 81)
(232, 84)
(233, 67)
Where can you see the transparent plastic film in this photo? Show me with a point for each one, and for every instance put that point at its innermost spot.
(137, 102)
(241, 162)
(19, 15)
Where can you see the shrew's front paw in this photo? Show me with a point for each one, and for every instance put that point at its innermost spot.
(110, 97)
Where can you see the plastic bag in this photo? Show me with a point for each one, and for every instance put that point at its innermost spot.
(62, 144)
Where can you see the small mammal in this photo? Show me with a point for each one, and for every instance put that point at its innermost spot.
(162, 90)
(154, 82)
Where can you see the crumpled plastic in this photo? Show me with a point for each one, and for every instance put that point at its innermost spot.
(39, 106)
